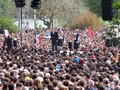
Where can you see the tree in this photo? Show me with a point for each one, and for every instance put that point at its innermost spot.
(4, 7)
(94, 6)
(115, 21)
(116, 18)
(88, 19)
(65, 10)
(7, 23)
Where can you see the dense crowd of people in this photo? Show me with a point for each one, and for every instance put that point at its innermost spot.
(34, 66)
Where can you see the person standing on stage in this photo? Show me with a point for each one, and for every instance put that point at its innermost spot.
(5, 34)
(9, 42)
(15, 43)
(77, 41)
(54, 39)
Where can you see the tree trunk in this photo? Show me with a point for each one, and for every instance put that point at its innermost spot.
(51, 21)
(49, 24)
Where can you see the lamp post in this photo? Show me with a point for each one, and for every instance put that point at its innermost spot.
(35, 4)
(19, 4)
(21, 28)
(20, 24)
(34, 18)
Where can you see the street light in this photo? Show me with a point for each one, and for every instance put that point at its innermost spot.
(35, 4)
(20, 4)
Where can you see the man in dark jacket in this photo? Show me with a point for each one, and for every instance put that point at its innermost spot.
(54, 39)
(77, 41)
(9, 42)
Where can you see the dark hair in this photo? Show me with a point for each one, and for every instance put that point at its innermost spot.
(51, 78)
(101, 87)
(14, 79)
(50, 87)
(73, 79)
(100, 78)
(5, 85)
(46, 81)
(67, 77)
(61, 78)
(19, 84)
(66, 83)
(70, 87)
(81, 83)
(88, 75)
(11, 87)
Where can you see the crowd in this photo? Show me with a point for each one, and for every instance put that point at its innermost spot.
(93, 66)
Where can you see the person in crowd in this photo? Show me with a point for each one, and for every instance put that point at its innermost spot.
(9, 42)
(15, 43)
(5, 34)
(77, 41)
(54, 39)
(93, 66)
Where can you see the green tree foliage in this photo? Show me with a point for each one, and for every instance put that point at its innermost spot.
(116, 6)
(94, 6)
(63, 11)
(7, 23)
(4, 7)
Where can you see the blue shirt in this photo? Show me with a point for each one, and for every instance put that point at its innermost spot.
(58, 67)
(76, 60)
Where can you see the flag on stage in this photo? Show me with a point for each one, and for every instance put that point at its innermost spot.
(90, 32)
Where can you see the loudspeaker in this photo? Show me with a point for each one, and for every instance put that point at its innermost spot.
(70, 45)
(14, 43)
(107, 10)
(115, 41)
(60, 42)
(76, 45)
(20, 3)
(9, 42)
(35, 4)
(108, 43)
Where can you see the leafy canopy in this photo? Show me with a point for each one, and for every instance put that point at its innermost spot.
(7, 23)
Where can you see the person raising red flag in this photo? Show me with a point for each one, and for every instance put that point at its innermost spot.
(90, 32)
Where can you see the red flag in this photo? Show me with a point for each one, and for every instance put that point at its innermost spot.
(90, 32)
(40, 39)
(117, 56)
